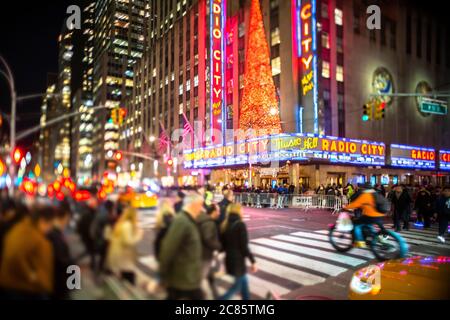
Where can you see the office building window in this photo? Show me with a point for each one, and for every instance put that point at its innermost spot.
(326, 69)
(324, 10)
(276, 66)
(356, 18)
(275, 36)
(338, 16)
(419, 38)
(408, 33)
(340, 73)
(429, 37)
(393, 29)
(325, 40)
(339, 45)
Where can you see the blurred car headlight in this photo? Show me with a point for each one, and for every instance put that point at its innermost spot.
(366, 280)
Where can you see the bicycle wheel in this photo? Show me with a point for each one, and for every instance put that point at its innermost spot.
(342, 241)
(388, 246)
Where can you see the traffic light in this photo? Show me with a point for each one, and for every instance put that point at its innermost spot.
(2, 168)
(170, 162)
(115, 115)
(118, 156)
(379, 112)
(367, 112)
(17, 155)
(122, 115)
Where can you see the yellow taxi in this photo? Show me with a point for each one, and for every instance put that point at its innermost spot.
(415, 278)
(144, 200)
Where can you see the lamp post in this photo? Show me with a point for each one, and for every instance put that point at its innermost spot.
(12, 134)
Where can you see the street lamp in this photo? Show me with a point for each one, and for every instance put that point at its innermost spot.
(12, 135)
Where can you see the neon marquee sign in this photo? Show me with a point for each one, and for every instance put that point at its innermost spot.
(412, 157)
(444, 160)
(293, 146)
(217, 36)
(306, 43)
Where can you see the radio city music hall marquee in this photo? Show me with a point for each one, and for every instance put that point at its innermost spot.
(282, 147)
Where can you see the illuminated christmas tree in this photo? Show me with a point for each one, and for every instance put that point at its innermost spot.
(259, 105)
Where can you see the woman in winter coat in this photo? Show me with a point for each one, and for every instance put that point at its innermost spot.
(122, 254)
(235, 244)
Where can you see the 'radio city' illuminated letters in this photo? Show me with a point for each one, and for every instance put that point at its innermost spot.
(306, 45)
(444, 160)
(412, 157)
(217, 21)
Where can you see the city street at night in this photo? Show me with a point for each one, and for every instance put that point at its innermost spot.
(225, 158)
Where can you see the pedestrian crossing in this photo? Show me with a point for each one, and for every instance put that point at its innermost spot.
(149, 221)
(304, 258)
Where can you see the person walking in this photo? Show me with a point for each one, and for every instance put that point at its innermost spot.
(423, 206)
(180, 258)
(62, 257)
(443, 210)
(236, 246)
(179, 201)
(26, 265)
(122, 255)
(281, 195)
(228, 198)
(101, 221)
(164, 218)
(210, 244)
(401, 202)
(88, 213)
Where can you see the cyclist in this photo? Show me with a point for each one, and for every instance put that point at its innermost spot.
(367, 202)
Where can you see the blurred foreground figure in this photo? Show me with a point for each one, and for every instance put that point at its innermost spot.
(26, 267)
(211, 243)
(10, 214)
(181, 253)
(84, 228)
(443, 209)
(164, 218)
(62, 257)
(235, 245)
(122, 254)
(100, 229)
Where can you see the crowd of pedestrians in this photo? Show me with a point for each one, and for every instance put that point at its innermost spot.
(190, 242)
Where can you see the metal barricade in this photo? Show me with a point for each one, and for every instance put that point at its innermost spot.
(302, 201)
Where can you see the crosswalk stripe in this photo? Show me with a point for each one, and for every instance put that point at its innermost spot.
(294, 275)
(295, 260)
(408, 238)
(258, 286)
(333, 256)
(325, 242)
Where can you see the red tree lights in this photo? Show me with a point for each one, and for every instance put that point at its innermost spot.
(259, 105)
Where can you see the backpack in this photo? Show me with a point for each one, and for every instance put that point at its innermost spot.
(381, 203)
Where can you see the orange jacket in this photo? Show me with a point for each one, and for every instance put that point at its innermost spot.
(366, 202)
(27, 261)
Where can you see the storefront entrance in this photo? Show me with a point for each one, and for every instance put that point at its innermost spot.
(336, 178)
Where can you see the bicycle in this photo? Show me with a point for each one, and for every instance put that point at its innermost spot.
(385, 245)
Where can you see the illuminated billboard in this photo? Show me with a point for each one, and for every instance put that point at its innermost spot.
(444, 160)
(412, 157)
(282, 147)
(217, 49)
(306, 46)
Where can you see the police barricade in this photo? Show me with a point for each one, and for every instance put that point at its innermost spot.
(302, 201)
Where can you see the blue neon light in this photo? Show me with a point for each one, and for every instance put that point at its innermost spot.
(405, 162)
(444, 165)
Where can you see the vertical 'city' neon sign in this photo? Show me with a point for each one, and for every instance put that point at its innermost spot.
(306, 34)
(217, 78)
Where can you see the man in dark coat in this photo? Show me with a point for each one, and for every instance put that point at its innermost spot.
(401, 202)
(180, 258)
(423, 205)
(443, 210)
(223, 205)
(61, 252)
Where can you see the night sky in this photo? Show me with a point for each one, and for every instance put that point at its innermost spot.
(29, 31)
